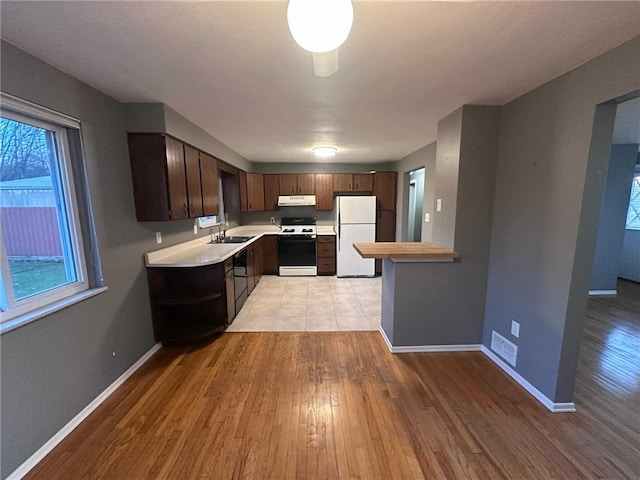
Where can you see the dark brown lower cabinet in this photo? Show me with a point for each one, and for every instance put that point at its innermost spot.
(251, 270)
(385, 230)
(326, 255)
(230, 289)
(269, 247)
(187, 304)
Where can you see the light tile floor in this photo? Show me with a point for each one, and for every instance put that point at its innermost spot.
(286, 304)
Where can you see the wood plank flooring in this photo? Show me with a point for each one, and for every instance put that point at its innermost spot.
(339, 405)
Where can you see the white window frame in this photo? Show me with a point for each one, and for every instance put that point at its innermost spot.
(20, 111)
(636, 175)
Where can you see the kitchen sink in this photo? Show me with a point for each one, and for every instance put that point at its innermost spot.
(237, 239)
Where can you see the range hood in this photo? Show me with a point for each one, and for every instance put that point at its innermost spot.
(296, 200)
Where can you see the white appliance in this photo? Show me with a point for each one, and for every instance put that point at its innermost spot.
(296, 200)
(355, 222)
(297, 247)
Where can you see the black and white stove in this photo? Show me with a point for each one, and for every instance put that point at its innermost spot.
(297, 247)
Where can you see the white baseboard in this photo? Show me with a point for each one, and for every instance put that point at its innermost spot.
(34, 459)
(596, 293)
(428, 348)
(537, 394)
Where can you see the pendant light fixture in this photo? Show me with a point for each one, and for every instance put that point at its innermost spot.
(320, 26)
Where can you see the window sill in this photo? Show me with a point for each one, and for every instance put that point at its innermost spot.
(30, 317)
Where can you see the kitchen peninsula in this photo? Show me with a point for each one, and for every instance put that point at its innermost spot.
(419, 295)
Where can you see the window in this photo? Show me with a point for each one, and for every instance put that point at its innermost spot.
(42, 256)
(633, 214)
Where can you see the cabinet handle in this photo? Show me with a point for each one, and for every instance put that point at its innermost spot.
(192, 209)
(184, 208)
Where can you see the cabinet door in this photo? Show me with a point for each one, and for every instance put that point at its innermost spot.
(209, 176)
(385, 231)
(194, 185)
(271, 192)
(342, 182)
(386, 226)
(148, 158)
(176, 178)
(251, 274)
(242, 180)
(384, 188)
(269, 254)
(288, 184)
(306, 184)
(255, 192)
(324, 191)
(257, 261)
(362, 182)
(231, 301)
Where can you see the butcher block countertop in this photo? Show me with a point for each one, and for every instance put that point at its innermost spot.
(405, 251)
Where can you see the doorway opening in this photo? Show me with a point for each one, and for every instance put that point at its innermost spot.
(416, 200)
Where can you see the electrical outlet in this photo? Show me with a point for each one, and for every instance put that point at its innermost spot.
(515, 329)
(195, 228)
(273, 220)
(113, 354)
(439, 205)
(427, 217)
(158, 237)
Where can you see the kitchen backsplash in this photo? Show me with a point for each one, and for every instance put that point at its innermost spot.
(256, 218)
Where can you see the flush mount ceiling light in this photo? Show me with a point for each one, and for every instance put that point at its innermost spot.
(324, 152)
(320, 25)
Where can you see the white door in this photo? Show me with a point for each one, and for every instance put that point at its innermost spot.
(357, 210)
(349, 263)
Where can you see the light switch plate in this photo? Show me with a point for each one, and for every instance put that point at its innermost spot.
(427, 217)
(158, 237)
(515, 329)
(439, 205)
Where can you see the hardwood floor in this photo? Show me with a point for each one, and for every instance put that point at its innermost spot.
(339, 405)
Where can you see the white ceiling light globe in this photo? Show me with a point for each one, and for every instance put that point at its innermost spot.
(324, 152)
(320, 25)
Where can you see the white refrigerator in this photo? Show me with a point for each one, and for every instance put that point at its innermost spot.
(355, 222)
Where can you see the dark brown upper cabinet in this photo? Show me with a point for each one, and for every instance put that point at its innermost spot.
(271, 191)
(306, 184)
(384, 188)
(297, 184)
(255, 192)
(194, 185)
(343, 182)
(159, 177)
(244, 200)
(363, 182)
(209, 177)
(288, 184)
(324, 191)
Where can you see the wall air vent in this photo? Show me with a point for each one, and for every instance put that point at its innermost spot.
(504, 348)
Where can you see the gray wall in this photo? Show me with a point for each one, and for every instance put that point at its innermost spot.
(52, 368)
(443, 303)
(182, 128)
(425, 157)
(630, 261)
(446, 179)
(612, 218)
(545, 215)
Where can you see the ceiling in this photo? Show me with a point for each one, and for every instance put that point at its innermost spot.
(233, 69)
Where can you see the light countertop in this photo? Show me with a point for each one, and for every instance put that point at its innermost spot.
(405, 251)
(199, 252)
